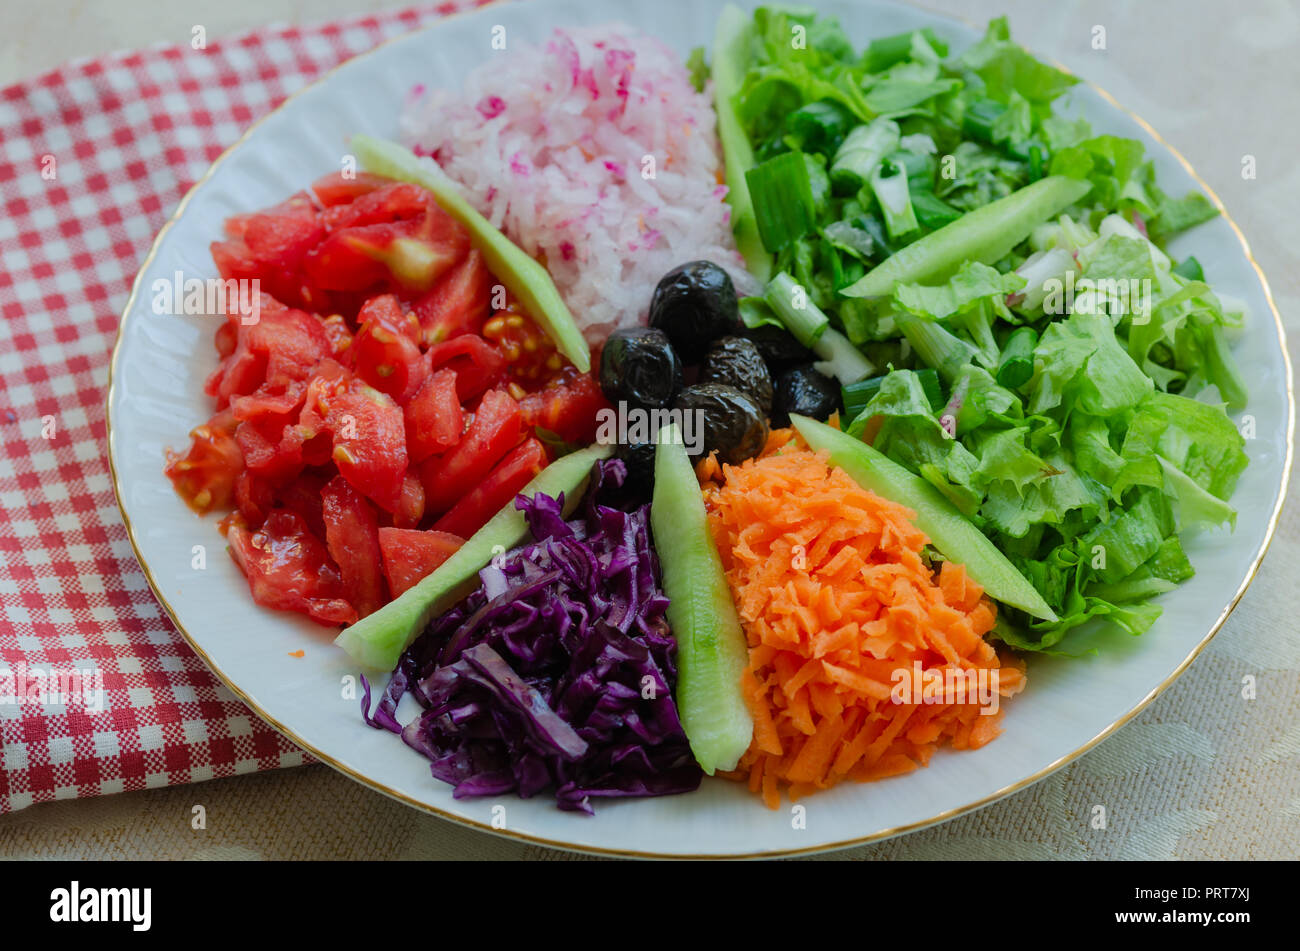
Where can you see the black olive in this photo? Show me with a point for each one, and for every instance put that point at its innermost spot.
(804, 391)
(733, 425)
(736, 362)
(639, 366)
(639, 457)
(695, 304)
(779, 348)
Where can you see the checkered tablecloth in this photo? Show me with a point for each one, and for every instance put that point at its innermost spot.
(98, 692)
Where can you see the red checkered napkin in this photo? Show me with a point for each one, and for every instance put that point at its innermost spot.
(93, 158)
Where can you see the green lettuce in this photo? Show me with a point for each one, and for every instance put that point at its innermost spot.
(1086, 471)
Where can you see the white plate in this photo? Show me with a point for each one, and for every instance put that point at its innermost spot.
(156, 398)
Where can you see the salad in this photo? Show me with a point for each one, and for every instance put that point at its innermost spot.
(1038, 359)
(760, 415)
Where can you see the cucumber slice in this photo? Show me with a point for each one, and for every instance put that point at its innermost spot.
(986, 235)
(731, 41)
(711, 648)
(525, 278)
(949, 530)
(377, 641)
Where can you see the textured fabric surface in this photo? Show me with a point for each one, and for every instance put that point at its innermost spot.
(93, 158)
(1201, 773)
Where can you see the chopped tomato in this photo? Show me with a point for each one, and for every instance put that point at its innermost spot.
(392, 201)
(367, 431)
(567, 407)
(281, 242)
(303, 496)
(269, 246)
(283, 346)
(531, 359)
(253, 497)
(312, 439)
(205, 475)
(434, 418)
(370, 443)
(288, 568)
(386, 353)
(477, 363)
(270, 405)
(410, 555)
(412, 252)
(270, 452)
(494, 430)
(297, 207)
(352, 536)
(236, 262)
(339, 188)
(226, 338)
(458, 303)
(339, 333)
(339, 264)
(365, 401)
(494, 493)
(410, 505)
(328, 376)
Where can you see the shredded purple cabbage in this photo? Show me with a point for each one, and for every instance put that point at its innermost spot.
(558, 672)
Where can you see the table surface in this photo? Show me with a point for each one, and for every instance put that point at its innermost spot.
(1201, 773)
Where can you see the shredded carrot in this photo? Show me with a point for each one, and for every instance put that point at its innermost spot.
(708, 469)
(863, 659)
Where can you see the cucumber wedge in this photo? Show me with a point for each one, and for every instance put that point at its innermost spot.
(948, 529)
(986, 235)
(377, 641)
(524, 277)
(711, 648)
(731, 39)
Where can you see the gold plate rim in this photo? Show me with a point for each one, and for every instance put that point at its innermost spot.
(530, 839)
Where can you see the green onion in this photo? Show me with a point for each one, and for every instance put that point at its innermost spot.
(791, 303)
(889, 50)
(980, 115)
(783, 201)
(861, 153)
(820, 126)
(807, 324)
(889, 185)
(858, 395)
(1035, 162)
(839, 358)
(918, 167)
(1017, 363)
(935, 345)
(757, 312)
(931, 212)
